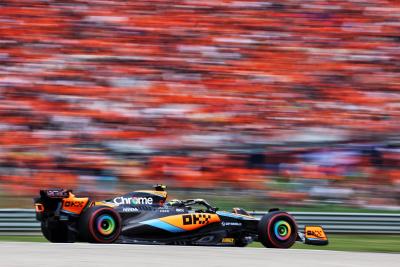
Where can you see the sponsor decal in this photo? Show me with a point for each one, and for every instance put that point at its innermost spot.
(130, 210)
(164, 211)
(196, 219)
(77, 204)
(228, 240)
(231, 224)
(314, 233)
(133, 201)
(56, 193)
(180, 210)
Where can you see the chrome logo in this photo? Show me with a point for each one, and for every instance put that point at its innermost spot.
(282, 230)
(105, 224)
(133, 201)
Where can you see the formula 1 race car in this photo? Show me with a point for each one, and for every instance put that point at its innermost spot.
(144, 217)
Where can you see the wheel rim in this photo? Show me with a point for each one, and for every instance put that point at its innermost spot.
(282, 230)
(106, 225)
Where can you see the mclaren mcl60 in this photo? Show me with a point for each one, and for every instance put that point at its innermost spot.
(144, 217)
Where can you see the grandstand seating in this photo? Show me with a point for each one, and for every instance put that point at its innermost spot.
(187, 91)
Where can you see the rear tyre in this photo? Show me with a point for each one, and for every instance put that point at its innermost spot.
(55, 232)
(277, 229)
(99, 224)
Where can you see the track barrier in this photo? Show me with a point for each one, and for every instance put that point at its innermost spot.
(23, 222)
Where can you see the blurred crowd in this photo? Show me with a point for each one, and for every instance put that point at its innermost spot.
(297, 99)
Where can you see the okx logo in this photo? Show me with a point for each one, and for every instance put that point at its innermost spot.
(196, 219)
(77, 204)
(314, 233)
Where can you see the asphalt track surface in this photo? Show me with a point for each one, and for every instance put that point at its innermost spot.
(13, 254)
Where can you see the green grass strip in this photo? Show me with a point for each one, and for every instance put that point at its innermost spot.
(362, 243)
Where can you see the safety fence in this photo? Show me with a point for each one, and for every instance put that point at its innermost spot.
(18, 222)
(23, 222)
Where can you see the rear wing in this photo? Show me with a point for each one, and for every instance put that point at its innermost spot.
(49, 199)
(58, 203)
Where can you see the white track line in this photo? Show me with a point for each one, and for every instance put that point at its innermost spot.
(17, 254)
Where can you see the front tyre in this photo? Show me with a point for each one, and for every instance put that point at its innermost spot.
(99, 224)
(277, 229)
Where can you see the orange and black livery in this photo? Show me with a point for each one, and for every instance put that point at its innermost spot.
(145, 217)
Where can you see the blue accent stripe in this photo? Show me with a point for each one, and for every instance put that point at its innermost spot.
(236, 216)
(163, 225)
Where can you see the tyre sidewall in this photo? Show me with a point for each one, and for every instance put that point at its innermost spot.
(87, 225)
(266, 230)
